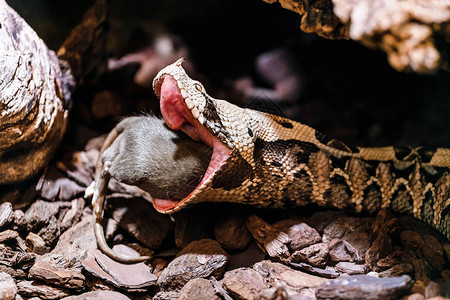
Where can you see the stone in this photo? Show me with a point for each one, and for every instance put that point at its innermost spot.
(73, 215)
(43, 217)
(433, 289)
(16, 273)
(364, 287)
(203, 258)
(8, 289)
(244, 283)
(198, 289)
(278, 293)
(78, 166)
(62, 266)
(220, 290)
(13, 258)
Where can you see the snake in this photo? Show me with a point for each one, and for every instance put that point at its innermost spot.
(266, 160)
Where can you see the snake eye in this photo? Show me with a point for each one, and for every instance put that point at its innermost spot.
(198, 87)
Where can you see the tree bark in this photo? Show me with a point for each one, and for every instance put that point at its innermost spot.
(36, 87)
(414, 34)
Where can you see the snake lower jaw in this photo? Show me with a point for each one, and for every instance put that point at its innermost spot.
(179, 117)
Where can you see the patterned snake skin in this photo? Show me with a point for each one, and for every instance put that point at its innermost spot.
(269, 161)
(276, 162)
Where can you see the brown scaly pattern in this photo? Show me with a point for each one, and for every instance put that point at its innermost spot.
(276, 162)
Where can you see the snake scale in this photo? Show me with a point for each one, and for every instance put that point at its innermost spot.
(266, 160)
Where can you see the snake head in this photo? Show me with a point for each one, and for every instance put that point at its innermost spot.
(185, 105)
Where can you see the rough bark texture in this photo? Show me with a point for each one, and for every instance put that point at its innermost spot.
(33, 108)
(84, 47)
(36, 86)
(408, 31)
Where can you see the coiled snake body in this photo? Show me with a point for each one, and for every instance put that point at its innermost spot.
(270, 161)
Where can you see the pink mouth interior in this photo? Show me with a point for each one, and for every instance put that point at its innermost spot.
(178, 116)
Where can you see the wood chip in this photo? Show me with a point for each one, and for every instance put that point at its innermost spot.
(36, 244)
(46, 268)
(327, 272)
(98, 295)
(203, 258)
(128, 276)
(316, 255)
(138, 217)
(382, 244)
(355, 234)
(302, 235)
(198, 289)
(36, 289)
(351, 268)
(54, 185)
(244, 283)
(8, 235)
(6, 214)
(397, 270)
(232, 233)
(364, 287)
(8, 289)
(277, 274)
(246, 258)
(192, 225)
(271, 240)
(74, 244)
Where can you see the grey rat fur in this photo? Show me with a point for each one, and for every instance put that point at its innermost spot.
(143, 151)
(162, 162)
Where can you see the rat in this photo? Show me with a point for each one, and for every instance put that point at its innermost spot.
(143, 151)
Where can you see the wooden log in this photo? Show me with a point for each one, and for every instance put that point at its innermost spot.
(33, 110)
(36, 88)
(413, 34)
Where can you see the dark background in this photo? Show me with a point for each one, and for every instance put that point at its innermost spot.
(350, 92)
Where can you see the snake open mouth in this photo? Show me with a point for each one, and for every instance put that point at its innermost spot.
(178, 115)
